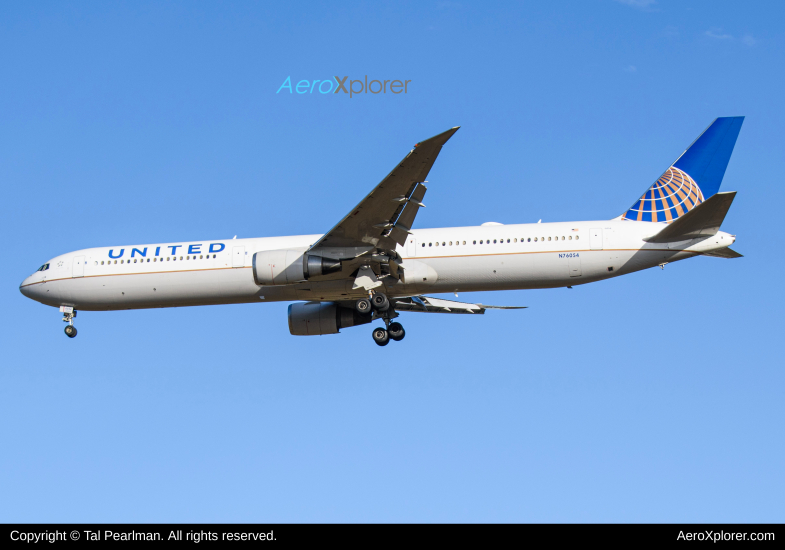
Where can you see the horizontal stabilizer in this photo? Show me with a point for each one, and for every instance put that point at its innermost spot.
(424, 304)
(723, 253)
(702, 221)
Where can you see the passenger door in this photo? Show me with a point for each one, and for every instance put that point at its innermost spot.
(78, 267)
(595, 239)
(238, 256)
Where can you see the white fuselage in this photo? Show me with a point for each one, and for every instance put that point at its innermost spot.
(524, 256)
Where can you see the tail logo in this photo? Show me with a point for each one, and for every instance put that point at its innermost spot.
(671, 196)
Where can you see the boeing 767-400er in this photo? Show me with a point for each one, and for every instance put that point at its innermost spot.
(374, 265)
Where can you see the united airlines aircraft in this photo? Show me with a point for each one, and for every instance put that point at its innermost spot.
(373, 264)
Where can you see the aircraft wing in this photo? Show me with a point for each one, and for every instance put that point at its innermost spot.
(384, 217)
(425, 304)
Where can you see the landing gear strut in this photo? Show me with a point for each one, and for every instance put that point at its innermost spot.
(69, 314)
(382, 307)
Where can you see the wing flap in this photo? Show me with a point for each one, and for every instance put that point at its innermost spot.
(426, 304)
(403, 224)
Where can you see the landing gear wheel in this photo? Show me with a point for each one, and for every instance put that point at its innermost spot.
(381, 336)
(70, 331)
(396, 332)
(363, 306)
(380, 302)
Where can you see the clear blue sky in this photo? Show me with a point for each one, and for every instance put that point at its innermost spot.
(654, 397)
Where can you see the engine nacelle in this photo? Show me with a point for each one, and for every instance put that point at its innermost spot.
(315, 318)
(285, 267)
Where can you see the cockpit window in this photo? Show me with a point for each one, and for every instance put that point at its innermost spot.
(43, 267)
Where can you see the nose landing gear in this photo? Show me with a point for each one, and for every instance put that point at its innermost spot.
(69, 314)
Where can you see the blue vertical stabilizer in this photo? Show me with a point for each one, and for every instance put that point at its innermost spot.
(694, 177)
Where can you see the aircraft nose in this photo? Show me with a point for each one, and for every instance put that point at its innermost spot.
(26, 288)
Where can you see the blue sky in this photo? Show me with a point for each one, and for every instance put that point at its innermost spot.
(653, 397)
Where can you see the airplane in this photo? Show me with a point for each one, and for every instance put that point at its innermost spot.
(373, 265)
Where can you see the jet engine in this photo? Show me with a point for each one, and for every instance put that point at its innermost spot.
(285, 267)
(315, 318)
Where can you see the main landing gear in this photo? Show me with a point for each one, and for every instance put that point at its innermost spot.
(380, 304)
(69, 314)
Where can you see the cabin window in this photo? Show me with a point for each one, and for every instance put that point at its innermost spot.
(535, 239)
(577, 237)
(474, 242)
(464, 242)
(570, 237)
(444, 244)
(423, 245)
(181, 258)
(201, 257)
(214, 254)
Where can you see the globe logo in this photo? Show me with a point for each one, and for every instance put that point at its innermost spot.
(671, 196)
